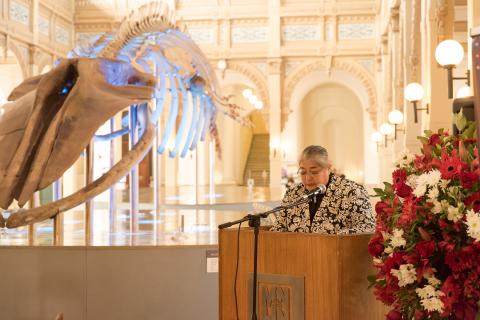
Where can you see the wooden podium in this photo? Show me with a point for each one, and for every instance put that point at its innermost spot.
(300, 276)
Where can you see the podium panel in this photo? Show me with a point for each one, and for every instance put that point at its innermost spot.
(332, 269)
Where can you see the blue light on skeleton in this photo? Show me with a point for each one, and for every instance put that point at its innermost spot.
(172, 116)
(193, 126)
(200, 123)
(183, 121)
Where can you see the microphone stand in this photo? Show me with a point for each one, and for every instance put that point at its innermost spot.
(254, 221)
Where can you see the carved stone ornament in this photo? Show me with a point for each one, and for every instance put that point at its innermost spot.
(274, 66)
(440, 14)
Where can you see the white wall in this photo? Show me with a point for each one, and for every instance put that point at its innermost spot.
(335, 124)
(354, 85)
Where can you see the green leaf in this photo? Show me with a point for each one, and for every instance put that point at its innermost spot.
(372, 280)
(388, 187)
(460, 121)
(423, 140)
(470, 131)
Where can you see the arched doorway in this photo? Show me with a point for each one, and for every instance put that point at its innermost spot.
(236, 139)
(337, 124)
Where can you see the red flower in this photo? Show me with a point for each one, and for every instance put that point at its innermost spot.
(473, 201)
(468, 179)
(392, 262)
(474, 165)
(401, 188)
(423, 163)
(466, 310)
(470, 286)
(451, 166)
(386, 294)
(425, 248)
(450, 296)
(434, 139)
(409, 212)
(461, 260)
(394, 315)
(375, 246)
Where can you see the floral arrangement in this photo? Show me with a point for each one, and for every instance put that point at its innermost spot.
(426, 247)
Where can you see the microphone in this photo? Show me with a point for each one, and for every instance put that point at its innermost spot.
(321, 189)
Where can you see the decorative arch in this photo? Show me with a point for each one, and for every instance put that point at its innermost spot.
(351, 68)
(11, 45)
(256, 77)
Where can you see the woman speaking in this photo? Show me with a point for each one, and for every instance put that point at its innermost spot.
(343, 207)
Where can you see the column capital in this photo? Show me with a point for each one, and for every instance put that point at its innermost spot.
(274, 66)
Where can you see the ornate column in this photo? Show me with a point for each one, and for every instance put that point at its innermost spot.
(274, 82)
(438, 25)
(274, 90)
(411, 64)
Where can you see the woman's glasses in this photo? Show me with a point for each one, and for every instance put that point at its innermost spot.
(305, 173)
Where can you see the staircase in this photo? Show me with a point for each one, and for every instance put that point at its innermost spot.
(258, 160)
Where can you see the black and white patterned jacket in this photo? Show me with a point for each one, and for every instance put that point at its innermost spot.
(345, 209)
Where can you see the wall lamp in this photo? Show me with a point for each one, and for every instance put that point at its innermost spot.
(252, 98)
(274, 146)
(222, 66)
(413, 93)
(386, 129)
(395, 117)
(449, 53)
(377, 137)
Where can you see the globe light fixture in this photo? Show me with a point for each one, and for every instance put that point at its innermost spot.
(386, 129)
(221, 64)
(258, 105)
(464, 92)
(247, 93)
(252, 99)
(376, 137)
(449, 53)
(274, 145)
(413, 93)
(395, 117)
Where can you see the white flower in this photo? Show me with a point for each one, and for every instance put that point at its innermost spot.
(433, 177)
(454, 214)
(440, 206)
(444, 184)
(404, 159)
(426, 292)
(420, 190)
(432, 304)
(388, 250)
(412, 181)
(406, 274)
(424, 180)
(386, 236)
(453, 192)
(433, 281)
(430, 297)
(433, 194)
(397, 238)
(473, 224)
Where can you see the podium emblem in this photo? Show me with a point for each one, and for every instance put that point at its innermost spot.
(280, 297)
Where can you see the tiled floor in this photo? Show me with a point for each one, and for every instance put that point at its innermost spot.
(185, 216)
